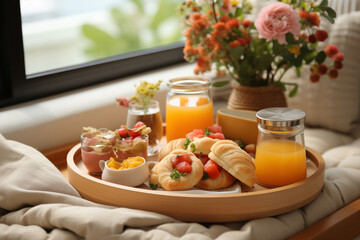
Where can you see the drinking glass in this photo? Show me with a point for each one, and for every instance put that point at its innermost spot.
(151, 116)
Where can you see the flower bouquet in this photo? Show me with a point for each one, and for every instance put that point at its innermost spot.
(285, 34)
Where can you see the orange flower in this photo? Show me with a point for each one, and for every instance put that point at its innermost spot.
(331, 50)
(232, 23)
(295, 50)
(304, 14)
(314, 19)
(246, 23)
(224, 18)
(200, 24)
(234, 44)
(220, 26)
(196, 16)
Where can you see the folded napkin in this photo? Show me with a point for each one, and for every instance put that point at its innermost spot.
(37, 202)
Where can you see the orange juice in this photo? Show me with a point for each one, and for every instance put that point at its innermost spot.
(280, 162)
(186, 113)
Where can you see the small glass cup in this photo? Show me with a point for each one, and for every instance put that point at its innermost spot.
(189, 106)
(128, 147)
(280, 157)
(96, 146)
(151, 116)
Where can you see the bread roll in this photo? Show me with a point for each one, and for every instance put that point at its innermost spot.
(233, 159)
(160, 174)
(224, 180)
(170, 146)
(202, 145)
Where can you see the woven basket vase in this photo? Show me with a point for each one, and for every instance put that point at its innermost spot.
(255, 98)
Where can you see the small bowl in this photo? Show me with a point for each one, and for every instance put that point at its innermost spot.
(129, 177)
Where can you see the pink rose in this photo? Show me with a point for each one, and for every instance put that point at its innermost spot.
(277, 19)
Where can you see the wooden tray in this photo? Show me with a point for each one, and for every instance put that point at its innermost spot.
(252, 203)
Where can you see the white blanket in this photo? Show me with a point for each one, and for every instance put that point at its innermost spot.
(37, 202)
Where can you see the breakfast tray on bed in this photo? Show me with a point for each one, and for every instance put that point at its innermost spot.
(251, 203)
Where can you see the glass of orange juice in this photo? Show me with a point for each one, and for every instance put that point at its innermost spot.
(189, 106)
(280, 157)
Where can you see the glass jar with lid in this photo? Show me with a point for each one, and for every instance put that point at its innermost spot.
(280, 152)
(189, 106)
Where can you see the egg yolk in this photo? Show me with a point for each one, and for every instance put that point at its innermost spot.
(129, 163)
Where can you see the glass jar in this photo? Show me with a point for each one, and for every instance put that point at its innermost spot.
(97, 145)
(151, 116)
(131, 147)
(280, 157)
(189, 106)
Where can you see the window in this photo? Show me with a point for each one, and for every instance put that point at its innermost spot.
(51, 46)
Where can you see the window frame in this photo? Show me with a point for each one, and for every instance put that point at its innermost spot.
(17, 87)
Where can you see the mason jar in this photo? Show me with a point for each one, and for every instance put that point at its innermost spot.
(189, 106)
(280, 157)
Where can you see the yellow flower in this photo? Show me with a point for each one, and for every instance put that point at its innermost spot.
(295, 50)
(235, 2)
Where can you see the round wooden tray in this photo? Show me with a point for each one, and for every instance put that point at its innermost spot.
(252, 203)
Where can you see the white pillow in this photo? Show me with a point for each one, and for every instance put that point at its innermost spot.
(334, 104)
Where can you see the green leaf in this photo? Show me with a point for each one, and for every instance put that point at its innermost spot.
(298, 72)
(330, 19)
(320, 58)
(207, 132)
(240, 143)
(294, 90)
(310, 57)
(290, 39)
(330, 12)
(323, 3)
(220, 84)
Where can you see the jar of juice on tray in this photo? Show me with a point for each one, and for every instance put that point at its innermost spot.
(132, 142)
(189, 106)
(96, 145)
(280, 152)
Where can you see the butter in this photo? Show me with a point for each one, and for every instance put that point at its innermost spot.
(238, 124)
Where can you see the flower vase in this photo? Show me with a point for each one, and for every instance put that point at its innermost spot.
(151, 116)
(256, 98)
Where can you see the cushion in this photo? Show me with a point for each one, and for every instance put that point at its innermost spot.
(333, 104)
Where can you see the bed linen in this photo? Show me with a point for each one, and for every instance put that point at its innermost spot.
(37, 201)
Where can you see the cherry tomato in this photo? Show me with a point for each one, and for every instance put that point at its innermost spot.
(139, 124)
(215, 129)
(217, 136)
(212, 169)
(175, 161)
(134, 134)
(185, 158)
(122, 132)
(196, 133)
(203, 158)
(184, 167)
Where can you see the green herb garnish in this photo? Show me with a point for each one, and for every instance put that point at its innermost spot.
(153, 186)
(186, 143)
(176, 174)
(192, 146)
(240, 143)
(207, 132)
(205, 176)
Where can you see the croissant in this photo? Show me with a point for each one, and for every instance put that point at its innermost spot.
(160, 174)
(233, 159)
(170, 146)
(202, 145)
(224, 180)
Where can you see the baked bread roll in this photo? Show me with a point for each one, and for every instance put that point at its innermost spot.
(233, 159)
(160, 174)
(224, 180)
(170, 146)
(202, 145)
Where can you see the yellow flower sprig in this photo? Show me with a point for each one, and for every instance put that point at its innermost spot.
(145, 92)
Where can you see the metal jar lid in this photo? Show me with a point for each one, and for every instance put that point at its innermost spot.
(280, 117)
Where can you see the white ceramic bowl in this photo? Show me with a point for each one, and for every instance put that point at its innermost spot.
(129, 177)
